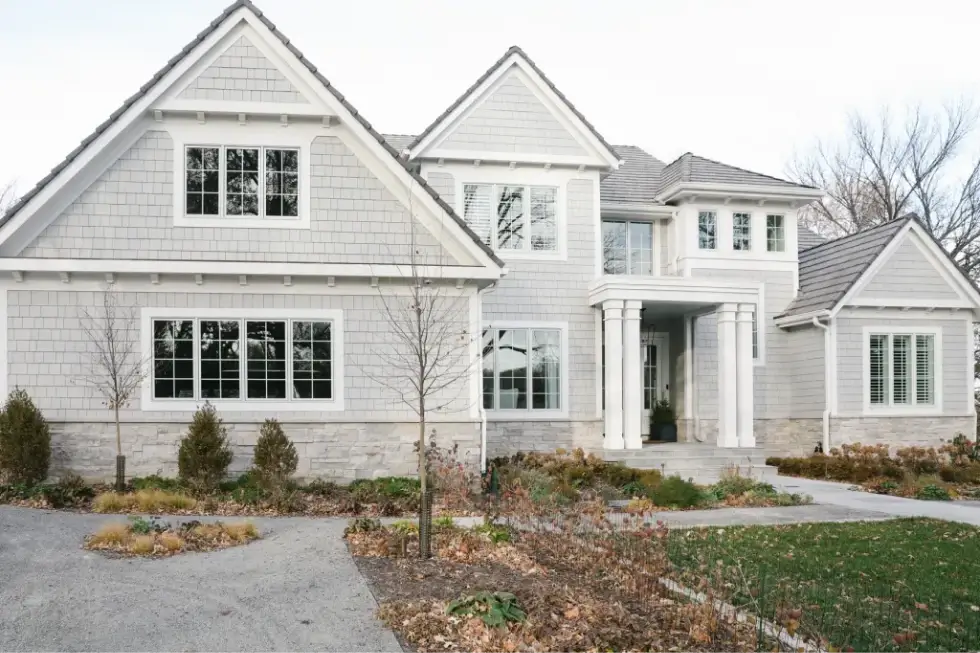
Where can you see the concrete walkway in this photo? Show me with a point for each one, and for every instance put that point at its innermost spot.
(840, 495)
(296, 589)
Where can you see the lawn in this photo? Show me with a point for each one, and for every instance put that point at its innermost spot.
(909, 584)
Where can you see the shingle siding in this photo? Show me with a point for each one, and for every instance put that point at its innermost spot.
(444, 184)
(908, 273)
(512, 119)
(128, 214)
(807, 371)
(242, 73)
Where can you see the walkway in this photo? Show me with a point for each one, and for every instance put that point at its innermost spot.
(297, 589)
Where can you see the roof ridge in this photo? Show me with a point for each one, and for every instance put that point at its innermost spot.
(864, 232)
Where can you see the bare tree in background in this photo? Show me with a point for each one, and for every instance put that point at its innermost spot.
(115, 368)
(8, 196)
(887, 167)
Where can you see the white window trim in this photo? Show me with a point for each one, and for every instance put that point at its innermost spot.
(530, 414)
(525, 253)
(935, 408)
(149, 403)
(186, 135)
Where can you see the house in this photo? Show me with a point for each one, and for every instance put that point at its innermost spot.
(252, 218)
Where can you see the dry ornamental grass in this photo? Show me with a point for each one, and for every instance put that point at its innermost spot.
(142, 537)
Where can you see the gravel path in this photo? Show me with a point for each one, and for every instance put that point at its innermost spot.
(296, 589)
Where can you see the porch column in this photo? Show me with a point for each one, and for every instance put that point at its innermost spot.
(632, 377)
(746, 372)
(612, 314)
(727, 377)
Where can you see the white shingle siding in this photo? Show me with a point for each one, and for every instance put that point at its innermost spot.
(706, 366)
(444, 184)
(807, 371)
(850, 362)
(128, 214)
(908, 273)
(242, 73)
(512, 119)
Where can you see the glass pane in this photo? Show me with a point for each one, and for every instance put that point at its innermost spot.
(241, 181)
(220, 359)
(311, 351)
(641, 247)
(707, 224)
(901, 369)
(173, 358)
(878, 369)
(614, 247)
(488, 369)
(546, 369)
(201, 180)
(510, 218)
(266, 359)
(281, 183)
(741, 231)
(544, 227)
(511, 361)
(650, 377)
(477, 209)
(925, 372)
(775, 235)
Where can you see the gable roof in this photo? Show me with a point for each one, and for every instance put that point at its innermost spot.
(829, 270)
(635, 181)
(511, 52)
(692, 168)
(214, 25)
(807, 238)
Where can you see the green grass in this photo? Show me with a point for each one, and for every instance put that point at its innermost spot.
(858, 585)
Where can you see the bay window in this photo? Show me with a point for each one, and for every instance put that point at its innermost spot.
(627, 247)
(901, 369)
(523, 368)
(513, 218)
(251, 182)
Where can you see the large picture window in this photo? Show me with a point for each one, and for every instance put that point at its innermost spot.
(252, 182)
(627, 247)
(522, 369)
(513, 218)
(901, 369)
(244, 358)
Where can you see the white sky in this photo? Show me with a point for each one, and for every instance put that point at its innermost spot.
(745, 82)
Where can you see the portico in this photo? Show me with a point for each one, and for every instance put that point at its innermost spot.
(622, 300)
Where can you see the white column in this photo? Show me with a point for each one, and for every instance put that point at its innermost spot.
(632, 377)
(745, 372)
(612, 313)
(727, 377)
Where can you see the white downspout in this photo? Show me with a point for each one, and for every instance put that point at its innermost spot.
(479, 401)
(828, 384)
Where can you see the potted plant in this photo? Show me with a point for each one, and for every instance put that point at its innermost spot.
(663, 423)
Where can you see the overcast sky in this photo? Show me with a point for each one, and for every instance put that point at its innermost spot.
(745, 82)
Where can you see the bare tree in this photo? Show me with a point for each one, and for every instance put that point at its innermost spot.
(889, 167)
(8, 196)
(115, 368)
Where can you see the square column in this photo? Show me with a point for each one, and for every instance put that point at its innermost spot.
(745, 372)
(632, 377)
(727, 377)
(612, 315)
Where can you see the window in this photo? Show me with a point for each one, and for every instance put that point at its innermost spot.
(522, 369)
(253, 182)
(627, 247)
(707, 226)
(513, 218)
(901, 369)
(741, 232)
(243, 358)
(775, 233)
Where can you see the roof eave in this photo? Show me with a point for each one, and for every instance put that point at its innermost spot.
(629, 210)
(683, 189)
(790, 320)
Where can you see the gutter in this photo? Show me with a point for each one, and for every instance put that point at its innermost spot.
(828, 378)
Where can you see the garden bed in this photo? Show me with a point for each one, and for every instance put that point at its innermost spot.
(141, 537)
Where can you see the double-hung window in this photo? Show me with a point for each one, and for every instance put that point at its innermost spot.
(775, 233)
(244, 357)
(741, 232)
(513, 218)
(249, 182)
(707, 230)
(522, 369)
(627, 247)
(901, 369)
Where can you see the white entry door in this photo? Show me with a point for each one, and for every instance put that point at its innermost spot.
(654, 368)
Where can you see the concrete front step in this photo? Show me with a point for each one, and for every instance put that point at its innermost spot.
(702, 463)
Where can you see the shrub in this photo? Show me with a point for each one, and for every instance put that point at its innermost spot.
(675, 492)
(932, 492)
(275, 457)
(204, 453)
(392, 487)
(155, 482)
(886, 486)
(69, 491)
(144, 526)
(25, 441)
(494, 608)
(362, 525)
(966, 473)
(732, 484)
(322, 488)
(160, 501)
(496, 533)
(405, 527)
(451, 478)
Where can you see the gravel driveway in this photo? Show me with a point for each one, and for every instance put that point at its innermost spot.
(297, 589)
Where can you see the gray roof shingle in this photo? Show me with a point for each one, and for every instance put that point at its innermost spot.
(299, 55)
(807, 238)
(636, 180)
(829, 270)
(692, 168)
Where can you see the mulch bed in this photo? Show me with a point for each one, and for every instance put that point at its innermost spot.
(159, 539)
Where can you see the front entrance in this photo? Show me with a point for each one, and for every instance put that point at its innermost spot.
(654, 349)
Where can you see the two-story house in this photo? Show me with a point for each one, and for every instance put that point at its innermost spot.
(254, 221)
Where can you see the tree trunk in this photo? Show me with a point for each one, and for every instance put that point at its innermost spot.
(425, 501)
(120, 458)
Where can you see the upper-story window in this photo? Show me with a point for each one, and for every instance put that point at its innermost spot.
(627, 247)
(254, 182)
(707, 228)
(741, 232)
(775, 233)
(512, 218)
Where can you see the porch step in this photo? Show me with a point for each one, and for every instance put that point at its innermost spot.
(699, 462)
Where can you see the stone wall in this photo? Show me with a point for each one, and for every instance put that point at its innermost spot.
(789, 437)
(901, 431)
(506, 438)
(339, 452)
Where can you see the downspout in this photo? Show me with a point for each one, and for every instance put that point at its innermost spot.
(828, 369)
(479, 402)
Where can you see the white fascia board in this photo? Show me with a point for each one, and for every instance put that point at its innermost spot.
(623, 210)
(603, 156)
(248, 268)
(683, 290)
(119, 129)
(222, 107)
(746, 191)
(506, 158)
(801, 319)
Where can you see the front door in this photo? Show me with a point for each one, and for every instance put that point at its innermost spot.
(656, 379)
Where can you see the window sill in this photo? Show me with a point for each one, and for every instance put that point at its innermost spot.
(237, 222)
(241, 406)
(525, 415)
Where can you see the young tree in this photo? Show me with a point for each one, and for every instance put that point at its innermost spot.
(115, 368)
